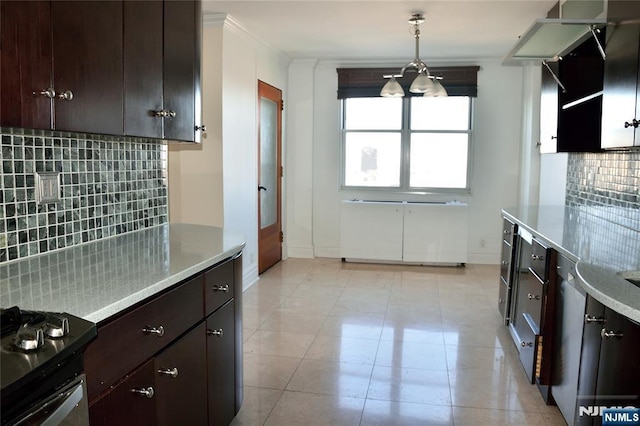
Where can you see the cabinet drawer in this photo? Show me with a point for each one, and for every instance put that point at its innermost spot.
(508, 230)
(533, 293)
(126, 342)
(218, 286)
(505, 261)
(527, 347)
(221, 364)
(540, 256)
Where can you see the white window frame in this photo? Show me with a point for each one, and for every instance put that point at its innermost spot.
(406, 154)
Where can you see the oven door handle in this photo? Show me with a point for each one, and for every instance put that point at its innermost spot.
(58, 408)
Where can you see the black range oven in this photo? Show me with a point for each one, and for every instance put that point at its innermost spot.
(41, 368)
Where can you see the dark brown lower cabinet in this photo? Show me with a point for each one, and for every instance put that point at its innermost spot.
(131, 402)
(220, 365)
(181, 381)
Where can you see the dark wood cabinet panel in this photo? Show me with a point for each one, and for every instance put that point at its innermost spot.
(143, 33)
(220, 365)
(87, 52)
(25, 43)
(182, 26)
(122, 406)
(181, 381)
(218, 286)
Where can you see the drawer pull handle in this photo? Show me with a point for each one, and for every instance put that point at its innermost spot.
(148, 392)
(537, 257)
(506, 232)
(505, 263)
(219, 332)
(153, 330)
(222, 288)
(48, 93)
(525, 344)
(500, 301)
(173, 372)
(609, 334)
(533, 296)
(589, 319)
(67, 95)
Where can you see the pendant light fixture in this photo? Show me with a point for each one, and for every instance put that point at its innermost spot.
(424, 82)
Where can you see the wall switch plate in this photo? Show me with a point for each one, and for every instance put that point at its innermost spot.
(47, 187)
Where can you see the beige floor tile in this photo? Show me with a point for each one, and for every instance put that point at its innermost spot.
(455, 301)
(317, 292)
(460, 358)
(293, 322)
(410, 385)
(257, 405)
(343, 349)
(421, 331)
(353, 305)
(298, 408)
(387, 413)
(460, 287)
(481, 316)
(349, 324)
(495, 336)
(403, 354)
(267, 371)
(278, 343)
(253, 318)
(307, 305)
(479, 417)
(331, 378)
(246, 333)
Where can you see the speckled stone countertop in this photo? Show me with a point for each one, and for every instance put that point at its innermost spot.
(600, 247)
(97, 280)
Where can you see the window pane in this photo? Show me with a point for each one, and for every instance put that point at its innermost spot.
(372, 159)
(439, 160)
(450, 113)
(373, 114)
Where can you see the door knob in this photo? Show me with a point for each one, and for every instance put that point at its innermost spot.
(261, 188)
(634, 123)
(49, 93)
(67, 95)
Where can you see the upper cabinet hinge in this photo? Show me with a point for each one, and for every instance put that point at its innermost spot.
(281, 237)
(281, 105)
(555, 77)
(281, 171)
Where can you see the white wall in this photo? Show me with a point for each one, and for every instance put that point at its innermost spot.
(553, 179)
(495, 162)
(215, 183)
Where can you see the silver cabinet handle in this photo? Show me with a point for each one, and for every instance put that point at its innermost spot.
(217, 332)
(589, 319)
(525, 344)
(67, 95)
(222, 288)
(634, 123)
(173, 372)
(500, 301)
(148, 392)
(164, 113)
(159, 331)
(536, 257)
(49, 93)
(201, 128)
(533, 296)
(609, 334)
(504, 262)
(506, 232)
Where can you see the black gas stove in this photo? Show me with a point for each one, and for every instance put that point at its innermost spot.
(41, 364)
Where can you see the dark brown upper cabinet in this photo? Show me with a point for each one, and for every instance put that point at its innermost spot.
(571, 106)
(107, 67)
(62, 66)
(143, 34)
(25, 66)
(621, 102)
(181, 70)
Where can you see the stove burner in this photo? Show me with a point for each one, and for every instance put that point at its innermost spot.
(29, 338)
(56, 326)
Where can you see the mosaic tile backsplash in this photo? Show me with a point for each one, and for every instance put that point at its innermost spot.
(109, 186)
(607, 185)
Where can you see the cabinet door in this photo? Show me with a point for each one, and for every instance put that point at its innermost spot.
(221, 365)
(589, 358)
(143, 33)
(428, 240)
(182, 26)
(549, 111)
(181, 381)
(131, 402)
(618, 373)
(620, 86)
(25, 44)
(87, 57)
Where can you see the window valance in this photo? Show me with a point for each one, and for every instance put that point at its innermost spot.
(367, 82)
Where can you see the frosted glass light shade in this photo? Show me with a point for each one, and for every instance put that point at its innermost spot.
(421, 84)
(392, 89)
(439, 89)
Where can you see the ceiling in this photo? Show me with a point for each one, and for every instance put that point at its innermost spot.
(378, 30)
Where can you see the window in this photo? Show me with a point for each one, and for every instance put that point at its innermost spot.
(407, 144)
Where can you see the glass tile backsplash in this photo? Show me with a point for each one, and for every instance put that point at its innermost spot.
(607, 185)
(109, 186)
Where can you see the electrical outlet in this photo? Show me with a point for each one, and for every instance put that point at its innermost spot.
(3, 241)
(47, 187)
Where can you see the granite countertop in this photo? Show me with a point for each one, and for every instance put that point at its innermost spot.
(97, 280)
(600, 247)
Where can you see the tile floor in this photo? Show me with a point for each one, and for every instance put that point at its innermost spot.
(333, 343)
